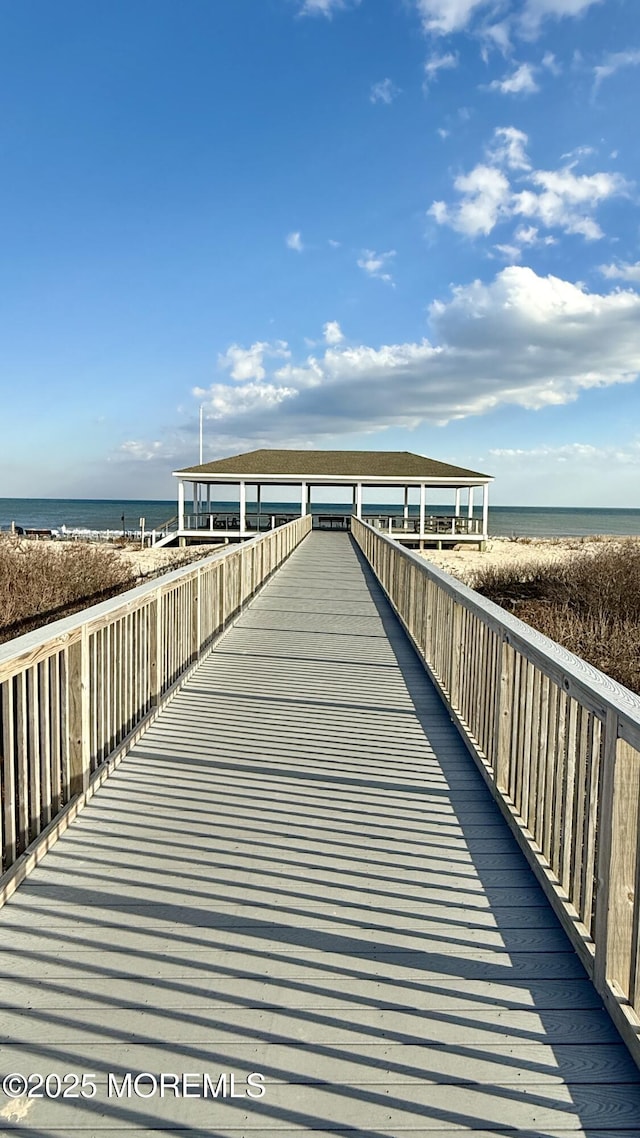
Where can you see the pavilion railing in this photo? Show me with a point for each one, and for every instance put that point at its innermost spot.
(443, 525)
(216, 520)
(557, 741)
(76, 694)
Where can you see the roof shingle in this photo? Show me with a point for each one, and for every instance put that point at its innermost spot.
(336, 463)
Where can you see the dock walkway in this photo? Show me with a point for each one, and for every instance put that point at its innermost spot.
(299, 872)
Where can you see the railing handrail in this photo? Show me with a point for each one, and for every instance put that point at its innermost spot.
(598, 690)
(558, 743)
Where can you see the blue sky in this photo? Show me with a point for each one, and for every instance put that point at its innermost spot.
(384, 224)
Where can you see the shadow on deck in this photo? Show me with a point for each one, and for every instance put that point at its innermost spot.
(298, 871)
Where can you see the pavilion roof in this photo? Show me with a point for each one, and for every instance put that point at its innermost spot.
(333, 463)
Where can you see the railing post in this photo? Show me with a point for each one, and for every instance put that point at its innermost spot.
(195, 615)
(7, 745)
(616, 901)
(155, 649)
(504, 716)
(456, 656)
(79, 734)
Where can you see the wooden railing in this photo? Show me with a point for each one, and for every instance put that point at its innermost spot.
(76, 694)
(439, 524)
(558, 743)
(216, 520)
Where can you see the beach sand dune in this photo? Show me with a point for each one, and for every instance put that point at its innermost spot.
(521, 553)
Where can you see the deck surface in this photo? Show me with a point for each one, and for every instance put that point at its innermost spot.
(298, 871)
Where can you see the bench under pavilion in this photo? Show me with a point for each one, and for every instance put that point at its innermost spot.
(201, 518)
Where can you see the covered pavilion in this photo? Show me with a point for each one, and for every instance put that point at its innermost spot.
(308, 471)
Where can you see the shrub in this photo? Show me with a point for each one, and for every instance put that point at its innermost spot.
(589, 603)
(39, 584)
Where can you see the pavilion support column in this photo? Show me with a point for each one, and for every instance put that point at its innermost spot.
(304, 490)
(423, 502)
(485, 510)
(180, 504)
(470, 510)
(243, 507)
(405, 508)
(258, 503)
(457, 505)
(359, 500)
(196, 491)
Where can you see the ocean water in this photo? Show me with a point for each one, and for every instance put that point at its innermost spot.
(84, 517)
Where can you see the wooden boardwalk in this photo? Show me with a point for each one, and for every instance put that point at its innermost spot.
(299, 872)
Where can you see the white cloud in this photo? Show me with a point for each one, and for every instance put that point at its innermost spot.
(294, 241)
(519, 82)
(530, 235)
(486, 195)
(496, 35)
(437, 63)
(569, 474)
(137, 450)
(334, 244)
(248, 363)
(628, 455)
(332, 332)
(525, 236)
(550, 62)
(614, 62)
(444, 17)
(510, 252)
(508, 148)
(566, 200)
(573, 157)
(559, 7)
(384, 92)
(521, 340)
(225, 402)
(376, 264)
(324, 7)
(441, 17)
(556, 199)
(623, 271)
(535, 11)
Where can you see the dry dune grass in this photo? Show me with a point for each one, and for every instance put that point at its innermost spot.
(39, 583)
(589, 603)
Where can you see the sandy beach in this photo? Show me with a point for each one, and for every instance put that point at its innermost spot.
(150, 562)
(466, 563)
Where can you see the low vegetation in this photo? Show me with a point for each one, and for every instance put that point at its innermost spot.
(589, 603)
(39, 583)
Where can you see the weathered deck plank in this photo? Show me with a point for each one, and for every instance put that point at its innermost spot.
(298, 871)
